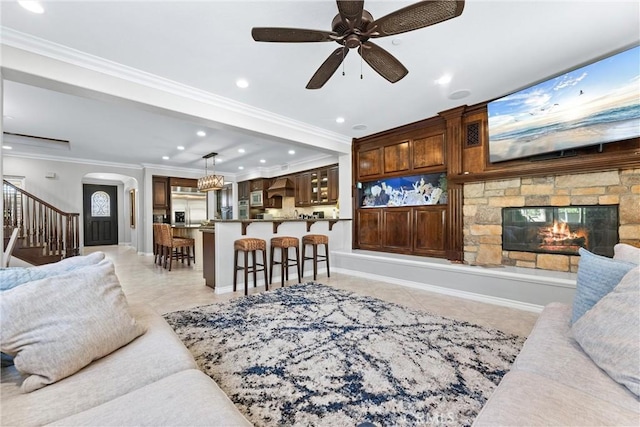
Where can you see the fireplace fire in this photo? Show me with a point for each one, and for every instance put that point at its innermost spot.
(560, 230)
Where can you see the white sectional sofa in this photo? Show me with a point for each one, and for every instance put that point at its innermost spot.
(152, 380)
(580, 366)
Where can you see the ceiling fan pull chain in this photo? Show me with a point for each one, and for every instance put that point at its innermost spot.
(343, 73)
(361, 50)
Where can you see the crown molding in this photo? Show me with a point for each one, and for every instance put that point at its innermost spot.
(46, 48)
(72, 160)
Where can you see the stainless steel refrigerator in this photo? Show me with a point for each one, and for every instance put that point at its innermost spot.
(188, 206)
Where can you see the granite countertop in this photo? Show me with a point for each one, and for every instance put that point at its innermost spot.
(275, 221)
(214, 221)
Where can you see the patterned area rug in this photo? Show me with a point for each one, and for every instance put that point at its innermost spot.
(313, 355)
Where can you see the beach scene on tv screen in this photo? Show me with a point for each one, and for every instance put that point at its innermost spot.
(592, 105)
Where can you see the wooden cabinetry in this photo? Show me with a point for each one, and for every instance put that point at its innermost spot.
(429, 230)
(258, 184)
(317, 187)
(161, 192)
(183, 182)
(392, 156)
(414, 150)
(416, 230)
(369, 229)
(334, 184)
(243, 190)
(303, 189)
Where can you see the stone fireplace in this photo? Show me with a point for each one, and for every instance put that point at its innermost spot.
(560, 230)
(483, 214)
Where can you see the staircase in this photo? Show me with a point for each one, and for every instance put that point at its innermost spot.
(46, 234)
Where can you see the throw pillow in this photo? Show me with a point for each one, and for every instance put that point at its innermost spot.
(610, 331)
(12, 277)
(597, 276)
(624, 252)
(55, 326)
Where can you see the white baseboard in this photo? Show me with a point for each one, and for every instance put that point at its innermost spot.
(524, 289)
(445, 291)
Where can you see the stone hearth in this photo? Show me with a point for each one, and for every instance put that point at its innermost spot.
(483, 203)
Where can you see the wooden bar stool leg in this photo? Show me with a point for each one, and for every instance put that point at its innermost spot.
(246, 272)
(326, 252)
(235, 269)
(298, 264)
(284, 258)
(304, 258)
(264, 264)
(271, 265)
(315, 262)
(255, 268)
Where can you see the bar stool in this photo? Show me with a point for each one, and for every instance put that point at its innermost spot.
(249, 245)
(174, 247)
(315, 240)
(284, 243)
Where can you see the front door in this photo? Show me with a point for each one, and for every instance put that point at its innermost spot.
(100, 214)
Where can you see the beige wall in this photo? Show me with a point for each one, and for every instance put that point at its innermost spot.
(483, 203)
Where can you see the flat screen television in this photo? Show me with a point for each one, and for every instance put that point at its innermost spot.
(596, 104)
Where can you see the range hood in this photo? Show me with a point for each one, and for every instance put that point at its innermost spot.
(282, 187)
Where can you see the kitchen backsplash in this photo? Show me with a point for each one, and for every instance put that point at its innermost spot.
(289, 209)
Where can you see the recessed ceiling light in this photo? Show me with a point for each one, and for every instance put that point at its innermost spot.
(263, 161)
(180, 147)
(396, 42)
(292, 152)
(7, 147)
(242, 83)
(359, 127)
(31, 6)
(444, 80)
(459, 94)
(201, 133)
(340, 120)
(165, 157)
(240, 150)
(241, 167)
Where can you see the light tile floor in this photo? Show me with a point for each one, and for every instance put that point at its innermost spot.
(183, 288)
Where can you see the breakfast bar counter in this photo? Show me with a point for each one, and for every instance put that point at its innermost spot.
(219, 236)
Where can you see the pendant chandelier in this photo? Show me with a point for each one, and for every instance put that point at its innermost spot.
(213, 181)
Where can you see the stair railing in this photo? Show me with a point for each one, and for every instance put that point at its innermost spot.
(41, 224)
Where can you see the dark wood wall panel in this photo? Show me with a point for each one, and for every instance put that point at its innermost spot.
(369, 223)
(397, 223)
(369, 163)
(396, 157)
(428, 152)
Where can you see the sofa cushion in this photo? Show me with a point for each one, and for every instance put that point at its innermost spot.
(55, 326)
(550, 351)
(624, 252)
(187, 398)
(610, 332)
(154, 355)
(14, 276)
(528, 399)
(597, 276)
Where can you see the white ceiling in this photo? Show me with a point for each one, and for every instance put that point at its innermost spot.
(493, 48)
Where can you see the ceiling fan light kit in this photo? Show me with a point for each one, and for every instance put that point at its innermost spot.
(352, 28)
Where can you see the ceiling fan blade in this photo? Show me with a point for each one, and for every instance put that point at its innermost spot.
(416, 16)
(328, 67)
(350, 12)
(382, 62)
(291, 35)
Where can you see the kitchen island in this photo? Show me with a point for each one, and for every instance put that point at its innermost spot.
(219, 235)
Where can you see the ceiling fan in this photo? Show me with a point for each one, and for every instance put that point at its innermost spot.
(352, 28)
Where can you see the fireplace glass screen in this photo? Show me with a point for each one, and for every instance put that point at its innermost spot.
(560, 230)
